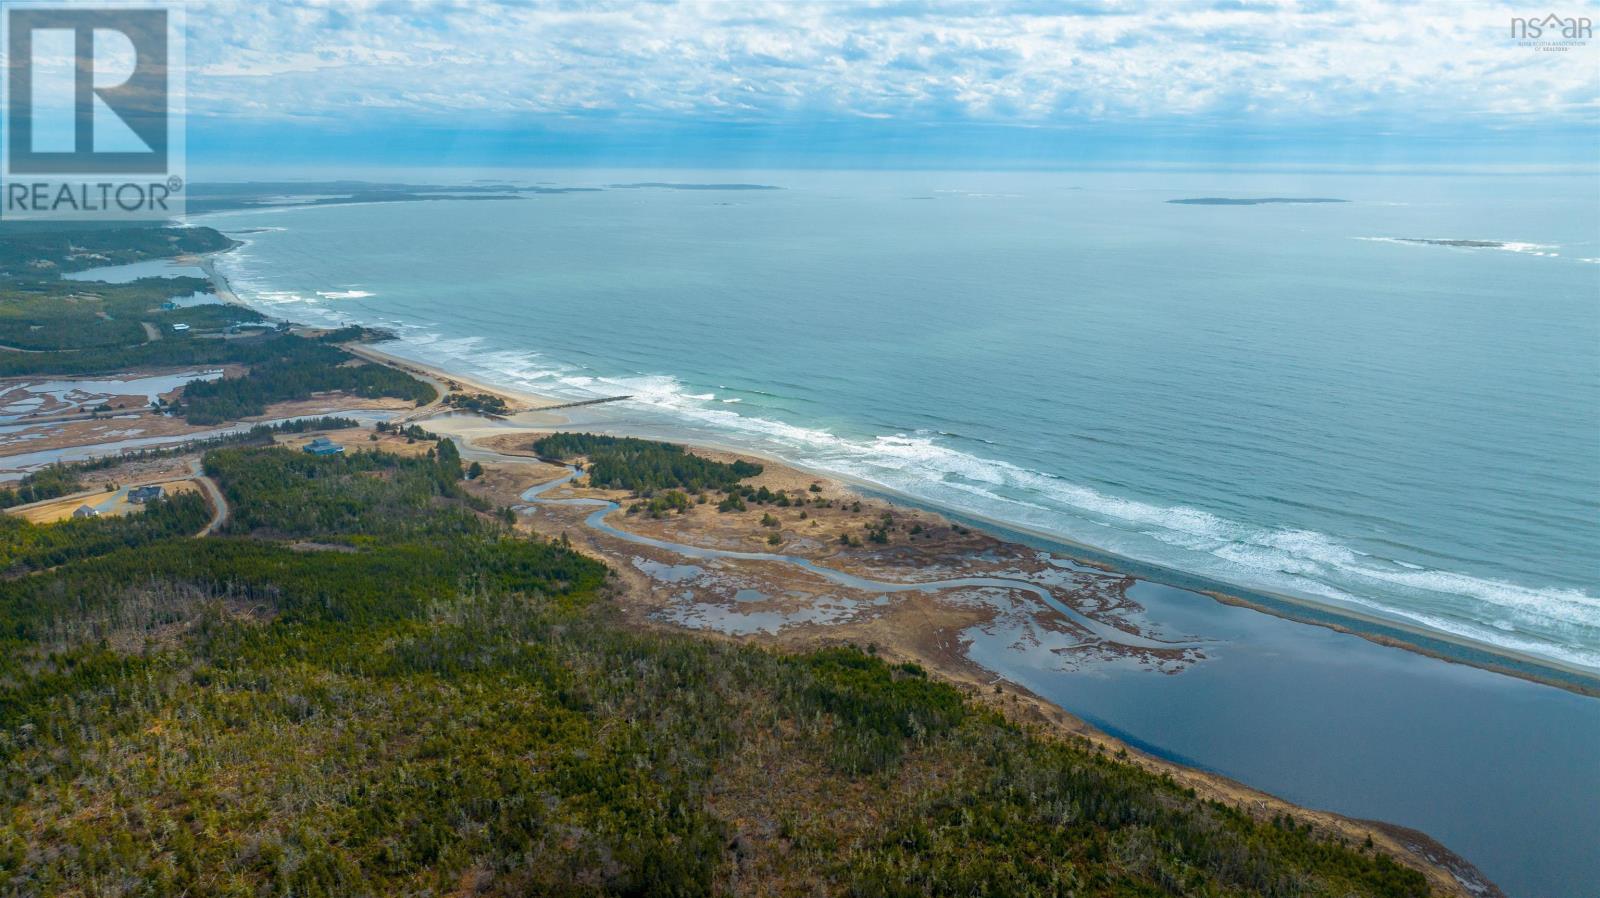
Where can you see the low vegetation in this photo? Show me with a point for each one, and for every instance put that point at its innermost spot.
(482, 403)
(372, 686)
(662, 504)
(71, 315)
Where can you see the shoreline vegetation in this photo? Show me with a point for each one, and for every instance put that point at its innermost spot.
(471, 497)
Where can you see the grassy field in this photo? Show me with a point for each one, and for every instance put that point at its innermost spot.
(61, 509)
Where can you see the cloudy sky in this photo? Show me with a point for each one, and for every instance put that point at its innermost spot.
(887, 83)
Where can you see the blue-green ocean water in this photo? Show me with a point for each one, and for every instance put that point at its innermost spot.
(1277, 396)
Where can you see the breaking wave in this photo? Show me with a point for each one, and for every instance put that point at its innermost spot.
(1550, 622)
(1510, 246)
(955, 470)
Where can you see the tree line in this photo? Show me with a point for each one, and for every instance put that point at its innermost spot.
(294, 369)
(626, 463)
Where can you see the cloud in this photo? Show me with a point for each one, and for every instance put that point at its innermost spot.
(1022, 64)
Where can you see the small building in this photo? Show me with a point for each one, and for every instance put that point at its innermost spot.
(180, 327)
(168, 306)
(139, 495)
(85, 511)
(323, 446)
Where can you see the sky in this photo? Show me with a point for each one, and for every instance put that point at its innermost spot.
(958, 84)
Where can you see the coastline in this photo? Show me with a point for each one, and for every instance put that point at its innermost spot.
(521, 399)
(1376, 628)
(1030, 706)
(919, 634)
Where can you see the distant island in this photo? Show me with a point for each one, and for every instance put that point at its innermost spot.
(1248, 201)
(224, 197)
(396, 196)
(1475, 244)
(668, 185)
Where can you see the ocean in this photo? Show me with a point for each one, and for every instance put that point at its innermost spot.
(1290, 398)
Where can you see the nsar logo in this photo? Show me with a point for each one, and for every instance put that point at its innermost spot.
(1552, 32)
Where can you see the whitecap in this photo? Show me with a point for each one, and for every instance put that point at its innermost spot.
(1551, 621)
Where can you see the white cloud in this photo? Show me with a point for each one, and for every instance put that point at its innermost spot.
(1017, 63)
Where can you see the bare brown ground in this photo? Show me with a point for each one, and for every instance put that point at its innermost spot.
(357, 439)
(96, 431)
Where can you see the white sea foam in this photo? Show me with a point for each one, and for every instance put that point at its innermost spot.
(1537, 249)
(344, 294)
(1552, 622)
(1545, 620)
(279, 297)
(1510, 246)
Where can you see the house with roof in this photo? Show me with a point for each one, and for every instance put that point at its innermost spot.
(323, 446)
(139, 495)
(85, 511)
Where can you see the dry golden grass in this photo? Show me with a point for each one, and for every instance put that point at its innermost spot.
(62, 509)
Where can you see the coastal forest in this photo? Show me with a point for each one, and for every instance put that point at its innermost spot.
(59, 327)
(291, 367)
(642, 466)
(372, 684)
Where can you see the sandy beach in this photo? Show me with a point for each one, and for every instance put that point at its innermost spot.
(1373, 627)
(1380, 629)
